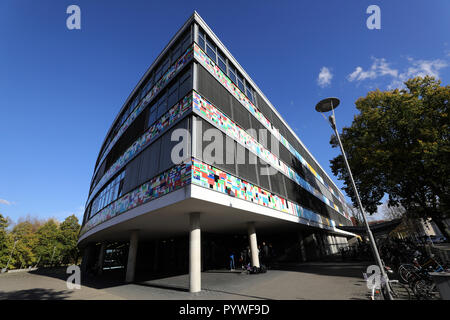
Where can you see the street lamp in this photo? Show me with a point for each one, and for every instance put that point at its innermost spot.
(326, 105)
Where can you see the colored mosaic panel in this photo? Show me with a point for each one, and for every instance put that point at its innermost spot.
(169, 75)
(238, 94)
(211, 113)
(212, 178)
(171, 180)
(174, 113)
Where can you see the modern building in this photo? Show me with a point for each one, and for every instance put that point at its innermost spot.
(199, 164)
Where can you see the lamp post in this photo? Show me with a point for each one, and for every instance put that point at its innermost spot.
(326, 105)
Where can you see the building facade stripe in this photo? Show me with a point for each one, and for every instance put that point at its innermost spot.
(168, 181)
(209, 177)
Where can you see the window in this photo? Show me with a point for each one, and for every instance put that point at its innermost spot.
(176, 53)
(186, 42)
(109, 194)
(232, 73)
(185, 83)
(146, 88)
(221, 62)
(152, 115)
(201, 39)
(240, 83)
(158, 73)
(249, 93)
(164, 66)
(162, 105)
(173, 94)
(211, 50)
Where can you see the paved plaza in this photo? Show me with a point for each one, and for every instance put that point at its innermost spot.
(342, 281)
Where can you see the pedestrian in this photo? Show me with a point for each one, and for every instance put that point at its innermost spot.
(265, 253)
(232, 261)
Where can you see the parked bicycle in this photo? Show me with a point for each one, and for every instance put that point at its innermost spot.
(417, 276)
(399, 291)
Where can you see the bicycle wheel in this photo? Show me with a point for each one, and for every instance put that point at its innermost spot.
(405, 271)
(425, 289)
(399, 290)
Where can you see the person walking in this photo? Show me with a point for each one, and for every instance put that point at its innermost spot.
(265, 253)
(232, 261)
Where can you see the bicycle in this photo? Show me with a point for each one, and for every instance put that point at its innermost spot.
(399, 291)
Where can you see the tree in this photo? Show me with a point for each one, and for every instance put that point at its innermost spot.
(5, 241)
(48, 248)
(26, 241)
(399, 144)
(68, 237)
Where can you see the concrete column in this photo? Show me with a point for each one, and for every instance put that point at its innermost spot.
(195, 281)
(132, 253)
(253, 244)
(101, 258)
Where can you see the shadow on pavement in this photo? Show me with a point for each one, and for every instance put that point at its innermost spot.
(110, 278)
(337, 269)
(34, 294)
(162, 286)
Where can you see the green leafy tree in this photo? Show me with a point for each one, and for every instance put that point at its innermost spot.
(48, 248)
(5, 241)
(68, 237)
(399, 144)
(26, 242)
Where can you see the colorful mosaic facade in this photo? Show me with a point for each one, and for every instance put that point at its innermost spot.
(201, 57)
(212, 178)
(173, 70)
(171, 180)
(174, 114)
(209, 177)
(207, 111)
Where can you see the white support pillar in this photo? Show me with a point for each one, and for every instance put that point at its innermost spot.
(132, 253)
(195, 281)
(253, 244)
(101, 258)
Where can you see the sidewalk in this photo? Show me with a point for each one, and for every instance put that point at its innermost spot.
(324, 281)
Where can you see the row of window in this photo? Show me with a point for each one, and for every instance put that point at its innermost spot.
(153, 160)
(207, 45)
(171, 95)
(110, 193)
(169, 58)
(167, 98)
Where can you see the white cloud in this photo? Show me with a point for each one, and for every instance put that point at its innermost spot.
(414, 68)
(379, 68)
(324, 78)
(3, 201)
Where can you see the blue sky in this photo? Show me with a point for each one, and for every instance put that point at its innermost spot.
(60, 89)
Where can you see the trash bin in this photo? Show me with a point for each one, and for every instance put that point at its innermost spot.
(442, 280)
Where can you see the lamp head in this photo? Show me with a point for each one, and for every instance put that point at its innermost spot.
(327, 104)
